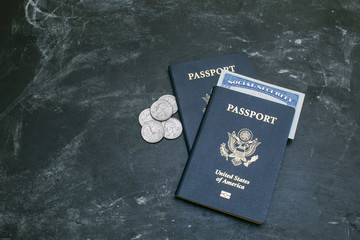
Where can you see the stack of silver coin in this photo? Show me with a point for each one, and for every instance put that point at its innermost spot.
(157, 121)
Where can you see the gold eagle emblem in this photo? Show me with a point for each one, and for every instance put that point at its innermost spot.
(241, 146)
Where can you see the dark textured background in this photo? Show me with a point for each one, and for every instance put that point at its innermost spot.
(74, 76)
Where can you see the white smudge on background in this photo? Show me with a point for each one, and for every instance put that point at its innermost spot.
(347, 125)
(138, 236)
(142, 200)
(17, 137)
(32, 10)
(283, 71)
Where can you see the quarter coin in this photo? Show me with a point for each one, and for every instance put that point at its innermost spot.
(161, 110)
(170, 99)
(172, 128)
(152, 131)
(145, 116)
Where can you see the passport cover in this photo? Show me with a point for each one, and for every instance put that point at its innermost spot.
(237, 153)
(192, 83)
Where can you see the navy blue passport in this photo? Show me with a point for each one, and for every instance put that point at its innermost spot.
(237, 153)
(192, 83)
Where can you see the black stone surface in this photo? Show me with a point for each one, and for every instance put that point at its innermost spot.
(75, 74)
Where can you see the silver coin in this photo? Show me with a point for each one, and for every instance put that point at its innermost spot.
(161, 110)
(172, 128)
(145, 116)
(170, 99)
(152, 131)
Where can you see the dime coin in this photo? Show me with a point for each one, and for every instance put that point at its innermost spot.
(172, 128)
(170, 99)
(161, 110)
(152, 131)
(145, 116)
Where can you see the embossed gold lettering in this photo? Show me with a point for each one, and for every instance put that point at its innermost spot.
(224, 174)
(196, 76)
(207, 73)
(251, 114)
(273, 119)
(237, 185)
(261, 116)
(210, 72)
(241, 112)
(266, 118)
(230, 106)
(235, 110)
(191, 75)
(242, 180)
(232, 68)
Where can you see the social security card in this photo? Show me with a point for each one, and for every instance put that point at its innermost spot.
(266, 91)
